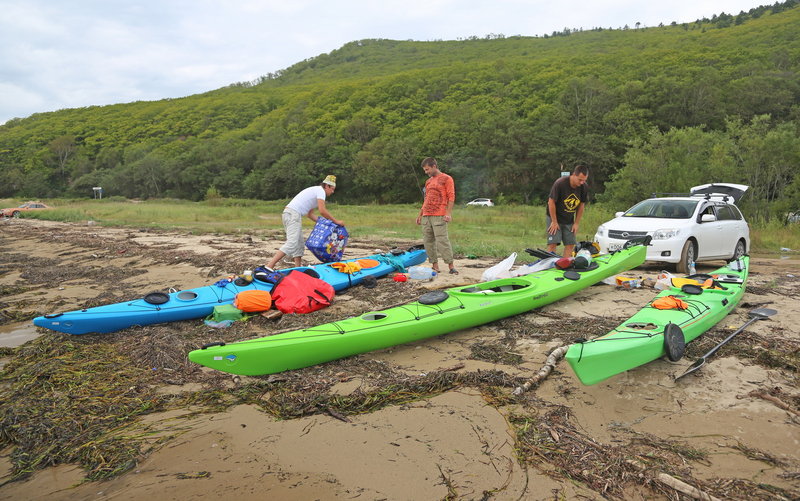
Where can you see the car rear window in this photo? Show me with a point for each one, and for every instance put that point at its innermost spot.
(728, 212)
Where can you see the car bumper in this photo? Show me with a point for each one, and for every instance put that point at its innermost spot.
(665, 251)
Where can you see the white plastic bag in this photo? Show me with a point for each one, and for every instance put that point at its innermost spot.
(541, 265)
(663, 280)
(500, 270)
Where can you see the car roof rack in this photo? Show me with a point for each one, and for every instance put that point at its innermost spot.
(706, 196)
(656, 195)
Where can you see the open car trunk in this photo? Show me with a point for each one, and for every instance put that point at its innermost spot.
(735, 191)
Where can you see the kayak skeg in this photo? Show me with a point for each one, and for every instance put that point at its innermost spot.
(641, 338)
(434, 313)
(195, 303)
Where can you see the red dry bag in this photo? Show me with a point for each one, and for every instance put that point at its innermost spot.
(298, 292)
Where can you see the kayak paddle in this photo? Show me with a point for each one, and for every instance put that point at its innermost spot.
(757, 314)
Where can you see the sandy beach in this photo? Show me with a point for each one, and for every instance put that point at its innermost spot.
(429, 420)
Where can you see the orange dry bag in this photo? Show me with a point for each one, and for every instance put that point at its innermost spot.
(253, 300)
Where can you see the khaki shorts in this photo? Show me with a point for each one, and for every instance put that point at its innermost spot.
(563, 234)
(293, 224)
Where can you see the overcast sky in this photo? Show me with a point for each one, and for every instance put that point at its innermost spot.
(67, 54)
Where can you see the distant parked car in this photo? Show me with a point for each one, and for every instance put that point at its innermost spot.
(27, 206)
(703, 226)
(482, 202)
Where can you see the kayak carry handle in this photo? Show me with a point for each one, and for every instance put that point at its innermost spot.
(209, 345)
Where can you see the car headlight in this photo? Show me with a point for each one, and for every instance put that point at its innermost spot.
(665, 234)
(601, 230)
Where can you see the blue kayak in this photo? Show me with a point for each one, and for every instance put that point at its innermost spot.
(189, 304)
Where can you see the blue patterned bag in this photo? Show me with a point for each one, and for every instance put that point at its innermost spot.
(327, 240)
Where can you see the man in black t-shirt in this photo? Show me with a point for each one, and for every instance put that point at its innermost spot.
(565, 208)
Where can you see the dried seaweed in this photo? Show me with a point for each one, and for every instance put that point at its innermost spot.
(65, 404)
(550, 442)
(81, 399)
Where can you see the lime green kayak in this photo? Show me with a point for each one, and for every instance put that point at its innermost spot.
(641, 338)
(435, 313)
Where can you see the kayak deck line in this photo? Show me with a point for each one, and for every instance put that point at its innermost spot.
(452, 309)
(597, 359)
(692, 319)
(200, 302)
(377, 316)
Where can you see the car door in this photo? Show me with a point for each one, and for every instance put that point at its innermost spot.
(732, 229)
(708, 233)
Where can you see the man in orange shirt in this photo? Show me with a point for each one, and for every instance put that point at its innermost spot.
(436, 213)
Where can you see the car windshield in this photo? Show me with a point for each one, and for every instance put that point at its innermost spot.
(666, 209)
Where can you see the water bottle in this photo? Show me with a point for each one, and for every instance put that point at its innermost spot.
(421, 273)
(691, 268)
(583, 259)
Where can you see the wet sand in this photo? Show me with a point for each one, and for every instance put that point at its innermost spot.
(461, 443)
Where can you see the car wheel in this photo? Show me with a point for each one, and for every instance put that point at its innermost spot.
(739, 251)
(15, 213)
(688, 254)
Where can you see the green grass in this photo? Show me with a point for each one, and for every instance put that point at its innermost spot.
(481, 231)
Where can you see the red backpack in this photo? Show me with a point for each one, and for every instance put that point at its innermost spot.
(299, 292)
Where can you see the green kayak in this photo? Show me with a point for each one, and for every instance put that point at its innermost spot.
(652, 332)
(435, 313)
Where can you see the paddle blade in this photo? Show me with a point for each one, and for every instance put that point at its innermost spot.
(762, 313)
(696, 365)
(757, 314)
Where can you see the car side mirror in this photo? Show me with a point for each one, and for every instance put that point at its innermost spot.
(708, 218)
(618, 214)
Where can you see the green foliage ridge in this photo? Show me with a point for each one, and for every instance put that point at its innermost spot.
(504, 116)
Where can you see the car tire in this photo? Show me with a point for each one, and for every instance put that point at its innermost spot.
(740, 250)
(689, 253)
(15, 213)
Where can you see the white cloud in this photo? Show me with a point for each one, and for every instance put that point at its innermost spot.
(92, 52)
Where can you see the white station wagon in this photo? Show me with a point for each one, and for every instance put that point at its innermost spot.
(703, 226)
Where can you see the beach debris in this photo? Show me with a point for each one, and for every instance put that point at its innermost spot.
(549, 365)
(775, 400)
(674, 483)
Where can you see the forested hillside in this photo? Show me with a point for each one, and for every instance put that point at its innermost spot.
(647, 109)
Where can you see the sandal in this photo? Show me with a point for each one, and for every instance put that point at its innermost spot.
(453, 271)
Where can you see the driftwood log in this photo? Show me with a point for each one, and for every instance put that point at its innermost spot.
(549, 365)
(678, 485)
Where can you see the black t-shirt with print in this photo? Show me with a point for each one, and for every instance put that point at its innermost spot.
(567, 199)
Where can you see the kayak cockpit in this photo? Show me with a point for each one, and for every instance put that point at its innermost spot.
(497, 286)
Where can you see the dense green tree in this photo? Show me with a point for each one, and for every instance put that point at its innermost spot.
(652, 109)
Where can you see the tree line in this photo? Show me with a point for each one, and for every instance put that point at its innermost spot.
(645, 109)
